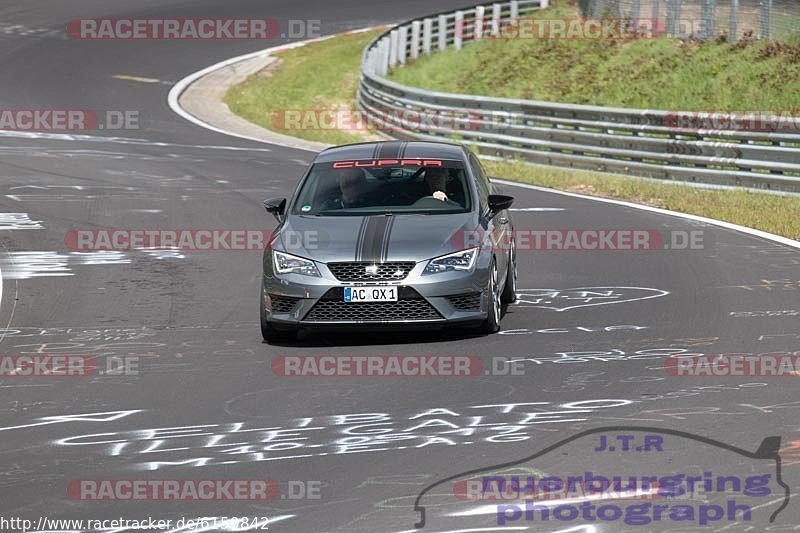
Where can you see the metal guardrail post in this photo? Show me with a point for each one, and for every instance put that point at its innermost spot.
(394, 39)
(480, 12)
(766, 19)
(733, 31)
(707, 12)
(402, 45)
(514, 12)
(458, 30)
(385, 54)
(372, 62)
(496, 13)
(416, 28)
(427, 36)
(442, 32)
(676, 17)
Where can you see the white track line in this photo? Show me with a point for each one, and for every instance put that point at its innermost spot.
(728, 225)
(177, 89)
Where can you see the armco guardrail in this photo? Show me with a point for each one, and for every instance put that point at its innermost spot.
(756, 152)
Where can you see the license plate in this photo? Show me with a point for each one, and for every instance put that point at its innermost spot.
(370, 294)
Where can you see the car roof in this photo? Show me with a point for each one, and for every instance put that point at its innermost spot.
(392, 150)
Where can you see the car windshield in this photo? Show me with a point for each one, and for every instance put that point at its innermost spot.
(352, 188)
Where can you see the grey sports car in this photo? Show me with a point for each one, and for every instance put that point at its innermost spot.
(387, 235)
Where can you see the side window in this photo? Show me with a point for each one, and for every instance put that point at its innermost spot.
(481, 180)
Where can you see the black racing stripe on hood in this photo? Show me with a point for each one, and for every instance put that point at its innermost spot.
(360, 238)
(387, 232)
(390, 150)
(371, 239)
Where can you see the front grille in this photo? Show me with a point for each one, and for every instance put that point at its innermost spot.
(357, 271)
(410, 306)
(466, 302)
(402, 310)
(282, 304)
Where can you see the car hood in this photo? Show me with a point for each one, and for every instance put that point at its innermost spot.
(375, 238)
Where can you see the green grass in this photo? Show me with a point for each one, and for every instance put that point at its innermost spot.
(660, 73)
(315, 78)
(767, 212)
(325, 74)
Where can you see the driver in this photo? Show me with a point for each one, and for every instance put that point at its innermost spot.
(436, 180)
(343, 189)
(353, 184)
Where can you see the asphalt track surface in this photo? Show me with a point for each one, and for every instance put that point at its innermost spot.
(191, 319)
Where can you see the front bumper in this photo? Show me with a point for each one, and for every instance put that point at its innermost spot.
(436, 300)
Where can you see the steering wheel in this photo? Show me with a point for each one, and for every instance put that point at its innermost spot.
(433, 202)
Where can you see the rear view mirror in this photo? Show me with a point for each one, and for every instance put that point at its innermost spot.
(275, 206)
(499, 202)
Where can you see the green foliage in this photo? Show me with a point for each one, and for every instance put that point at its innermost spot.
(660, 73)
(767, 212)
(320, 77)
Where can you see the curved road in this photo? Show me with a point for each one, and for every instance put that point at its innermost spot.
(190, 320)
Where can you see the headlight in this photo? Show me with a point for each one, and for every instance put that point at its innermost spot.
(460, 261)
(290, 264)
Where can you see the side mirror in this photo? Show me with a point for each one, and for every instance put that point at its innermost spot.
(275, 206)
(499, 202)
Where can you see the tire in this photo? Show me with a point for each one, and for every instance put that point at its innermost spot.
(492, 322)
(268, 332)
(509, 295)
